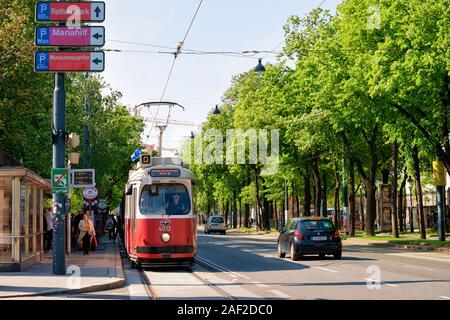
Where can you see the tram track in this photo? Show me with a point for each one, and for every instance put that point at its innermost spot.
(153, 294)
(148, 285)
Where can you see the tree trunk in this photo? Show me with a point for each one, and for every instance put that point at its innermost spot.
(317, 186)
(225, 210)
(240, 212)
(324, 195)
(368, 179)
(419, 192)
(265, 215)
(275, 213)
(394, 214)
(337, 186)
(257, 205)
(361, 203)
(351, 198)
(401, 208)
(297, 202)
(247, 216)
(307, 192)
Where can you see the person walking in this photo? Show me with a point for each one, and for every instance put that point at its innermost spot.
(86, 232)
(48, 230)
(111, 225)
(75, 226)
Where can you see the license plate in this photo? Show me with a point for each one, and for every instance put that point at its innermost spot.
(319, 238)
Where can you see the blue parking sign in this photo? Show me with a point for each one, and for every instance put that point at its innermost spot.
(41, 61)
(42, 36)
(43, 11)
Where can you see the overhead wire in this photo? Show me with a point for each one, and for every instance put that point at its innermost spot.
(176, 53)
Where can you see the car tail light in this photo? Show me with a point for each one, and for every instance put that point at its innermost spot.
(336, 234)
(298, 234)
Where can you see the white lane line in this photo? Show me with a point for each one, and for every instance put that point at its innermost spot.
(382, 282)
(444, 297)
(391, 285)
(279, 293)
(415, 267)
(325, 269)
(259, 284)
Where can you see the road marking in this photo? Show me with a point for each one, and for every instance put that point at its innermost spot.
(420, 255)
(221, 268)
(444, 297)
(415, 267)
(259, 284)
(382, 282)
(391, 285)
(279, 293)
(329, 270)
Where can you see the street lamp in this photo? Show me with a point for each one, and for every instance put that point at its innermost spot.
(216, 110)
(259, 67)
(411, 220)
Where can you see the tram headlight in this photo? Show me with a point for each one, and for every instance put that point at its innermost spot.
(165, 237)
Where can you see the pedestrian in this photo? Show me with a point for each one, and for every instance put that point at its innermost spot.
(48, 230)
(76, 223)
(86, 232)
(111, 225)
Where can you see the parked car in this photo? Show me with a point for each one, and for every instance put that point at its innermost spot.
(215, 224)
(309, 235)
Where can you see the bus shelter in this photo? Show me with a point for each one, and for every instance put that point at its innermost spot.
(22, 196)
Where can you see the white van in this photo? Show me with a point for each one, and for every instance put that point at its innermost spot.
(215, 224)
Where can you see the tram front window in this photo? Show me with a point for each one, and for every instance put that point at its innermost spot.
(165, 199)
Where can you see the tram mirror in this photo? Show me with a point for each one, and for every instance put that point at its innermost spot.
(129, 191)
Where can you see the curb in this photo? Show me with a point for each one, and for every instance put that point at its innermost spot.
(411, 247)
(120, 282)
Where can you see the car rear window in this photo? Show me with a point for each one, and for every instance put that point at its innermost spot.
(217, 220)
(316, 225)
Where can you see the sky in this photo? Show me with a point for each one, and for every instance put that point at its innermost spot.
(197, 81)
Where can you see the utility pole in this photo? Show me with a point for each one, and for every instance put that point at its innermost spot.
(440, 180)
(58, 161)
(59, 148)
(286, 202)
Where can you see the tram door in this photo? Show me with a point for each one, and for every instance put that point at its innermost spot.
(133, 219)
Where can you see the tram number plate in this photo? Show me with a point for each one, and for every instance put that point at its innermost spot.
(166, 255)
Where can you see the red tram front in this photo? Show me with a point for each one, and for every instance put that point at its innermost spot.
(160, 222)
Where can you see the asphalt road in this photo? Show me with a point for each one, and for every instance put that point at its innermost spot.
(247, 267)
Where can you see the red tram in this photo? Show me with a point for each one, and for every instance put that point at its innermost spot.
(160, 222)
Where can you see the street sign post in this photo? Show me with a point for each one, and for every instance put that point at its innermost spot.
(90, 193)
(70, 37)
(70, 11)
(60, 180)
(82, 178)
(69, 61)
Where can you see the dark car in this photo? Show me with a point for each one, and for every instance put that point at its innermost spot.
(309, 235)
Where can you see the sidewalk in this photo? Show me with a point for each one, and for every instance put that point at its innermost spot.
(100, 270)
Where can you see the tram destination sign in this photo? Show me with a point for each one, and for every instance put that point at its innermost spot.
(164, 173)
(70, 37)
(69, 61)
(70, 11)
(82, 178)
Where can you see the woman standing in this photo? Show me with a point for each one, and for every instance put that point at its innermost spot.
(86, 232)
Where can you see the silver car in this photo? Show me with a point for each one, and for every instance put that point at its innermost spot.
(215, 224)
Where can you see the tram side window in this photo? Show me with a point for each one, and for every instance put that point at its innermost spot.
(165, 199)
